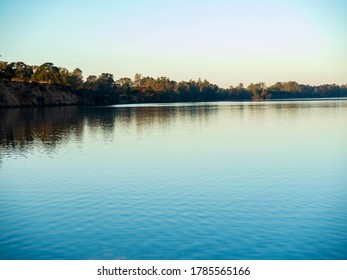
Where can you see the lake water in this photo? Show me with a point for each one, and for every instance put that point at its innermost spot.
(176, 181)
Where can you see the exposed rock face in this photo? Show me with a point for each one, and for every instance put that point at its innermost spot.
(18, 94)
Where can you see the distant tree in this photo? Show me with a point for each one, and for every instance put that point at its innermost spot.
(137, 80)
(238, 92)
(259, 91)
(254, 89)
(276, 87)
(124, 88)
(291, 87)
(104, 90)
(22, 71)
(182, 91)
(91, 83)
(65, 76)
(76, 78)
(286, 87)
(263, 90)
(343, 90)
(3, 65)
(182, 88)
(327, 90)
(73, 79)
(92, 78)
(240, 86)
(48, 73)
(124, 82)
(7, 71)
(106, 82)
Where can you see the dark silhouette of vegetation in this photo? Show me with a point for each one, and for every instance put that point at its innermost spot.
(103, 89)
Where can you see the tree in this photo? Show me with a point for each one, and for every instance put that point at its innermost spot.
(104, 90)
(76, 78)
(48, 73)
(2, 69)
(263, 89)
(137, 80)
(291, 87)
(65, 76)
(106, 82)
(258, 91)
(7, 71)
(254, 88)
(91, 83)
(124, 88)
(124, 82)
(22, 71)
(182, 87)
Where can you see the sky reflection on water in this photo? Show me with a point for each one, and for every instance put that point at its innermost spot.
(199, 181)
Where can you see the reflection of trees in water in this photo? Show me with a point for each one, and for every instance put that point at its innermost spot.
(100, 117)
(286, 109)
(25, 128)
(48, 128)
(162, 117)
(21, 128)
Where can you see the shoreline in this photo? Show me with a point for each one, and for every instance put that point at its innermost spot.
(14, 94)
(184, 103)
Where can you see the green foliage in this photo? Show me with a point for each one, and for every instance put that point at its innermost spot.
(76, 78)
(48, 73)
(7, 71)
(90, 83)
(103, 89)
(22, 71)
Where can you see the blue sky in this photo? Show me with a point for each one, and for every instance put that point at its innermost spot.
(225, 42)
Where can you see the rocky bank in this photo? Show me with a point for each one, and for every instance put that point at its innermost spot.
(19, 94)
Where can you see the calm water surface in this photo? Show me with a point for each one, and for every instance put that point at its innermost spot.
(178, 181)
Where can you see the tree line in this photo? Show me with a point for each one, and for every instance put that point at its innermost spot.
(104, 89)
